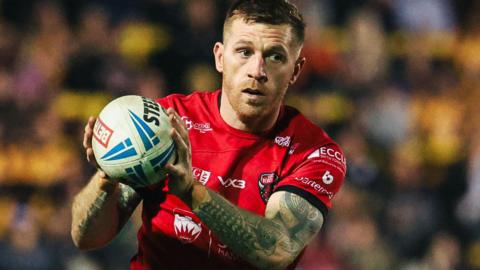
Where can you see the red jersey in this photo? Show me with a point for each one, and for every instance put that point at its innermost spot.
(295, 156)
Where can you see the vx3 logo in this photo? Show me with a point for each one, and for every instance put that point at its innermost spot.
(235, 183)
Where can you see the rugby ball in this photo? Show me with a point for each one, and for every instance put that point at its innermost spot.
(131, 141)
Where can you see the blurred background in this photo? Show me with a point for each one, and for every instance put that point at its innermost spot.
(395, 82)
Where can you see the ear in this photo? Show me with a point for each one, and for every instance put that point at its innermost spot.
(297, 69)
(218, 53)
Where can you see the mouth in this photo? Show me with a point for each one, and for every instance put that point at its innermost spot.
(253, 92)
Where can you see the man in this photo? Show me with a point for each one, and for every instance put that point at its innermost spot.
(253, 180)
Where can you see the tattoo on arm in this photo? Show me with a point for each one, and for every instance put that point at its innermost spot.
(127, 202)
(92, 212)
(301, 219)
(290, 223)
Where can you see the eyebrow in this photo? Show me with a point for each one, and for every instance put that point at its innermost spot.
(243, 42)
(277, 48)
(274, 48)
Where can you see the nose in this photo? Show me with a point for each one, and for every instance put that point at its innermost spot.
(257, 69)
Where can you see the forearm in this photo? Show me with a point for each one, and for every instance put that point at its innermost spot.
(95, 214)
(263, 242)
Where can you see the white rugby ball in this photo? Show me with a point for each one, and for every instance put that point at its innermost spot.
(131, 141)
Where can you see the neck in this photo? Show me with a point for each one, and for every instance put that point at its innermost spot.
(256, 124)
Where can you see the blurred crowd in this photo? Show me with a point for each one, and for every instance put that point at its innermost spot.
(395, 82)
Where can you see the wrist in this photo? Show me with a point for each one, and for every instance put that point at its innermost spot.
(199, 195)
(195, 195)
(186, 195)
(105, 184)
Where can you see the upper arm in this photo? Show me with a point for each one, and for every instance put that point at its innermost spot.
(302, 199)
(299, 218)
(318, 177)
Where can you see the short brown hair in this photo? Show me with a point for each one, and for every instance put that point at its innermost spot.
(273, 12)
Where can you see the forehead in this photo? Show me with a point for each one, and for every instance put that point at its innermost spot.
(239, 30)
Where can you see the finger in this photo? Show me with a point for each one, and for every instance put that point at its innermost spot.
(174, 123)
(102, 174)
(87, 136)
(182, 147)
(91, 157)
(178, 125)
(170, 111)
(181, 123)
(91, 121)
(176, 171)
(177, 118)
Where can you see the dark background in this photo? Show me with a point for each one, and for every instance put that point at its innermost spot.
(395, 82)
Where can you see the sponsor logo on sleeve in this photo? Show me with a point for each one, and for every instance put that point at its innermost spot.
(102, 133)
(330, 157)
(315, 185)
(201, 175)
(327, 178)
(186, 229)
(328, 153)
(201, 127)
(266, 183)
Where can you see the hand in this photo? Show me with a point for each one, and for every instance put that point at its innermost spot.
(87, 145)
(181, 177)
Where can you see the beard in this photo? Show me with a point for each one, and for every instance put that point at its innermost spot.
(252, 111)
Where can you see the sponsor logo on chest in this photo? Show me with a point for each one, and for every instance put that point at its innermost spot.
(201, 175)
(229, 182)
(283, 141)
(201, 127)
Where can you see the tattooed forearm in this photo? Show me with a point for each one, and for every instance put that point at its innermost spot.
(242, 231)
(276, 239)
(92, 212)
(99, 211)
(127, 202)
(222, 218)
(268, 233)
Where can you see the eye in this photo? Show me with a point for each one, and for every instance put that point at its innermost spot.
(245, 52)
(276, 58)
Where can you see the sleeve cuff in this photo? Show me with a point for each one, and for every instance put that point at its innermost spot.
(307, 196)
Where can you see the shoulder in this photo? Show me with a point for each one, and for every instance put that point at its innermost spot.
(306, 134)
(195, 98)
(310, 146)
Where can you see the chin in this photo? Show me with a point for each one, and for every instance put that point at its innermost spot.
(248, 113)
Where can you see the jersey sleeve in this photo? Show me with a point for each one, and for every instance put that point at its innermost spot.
(318, 178)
